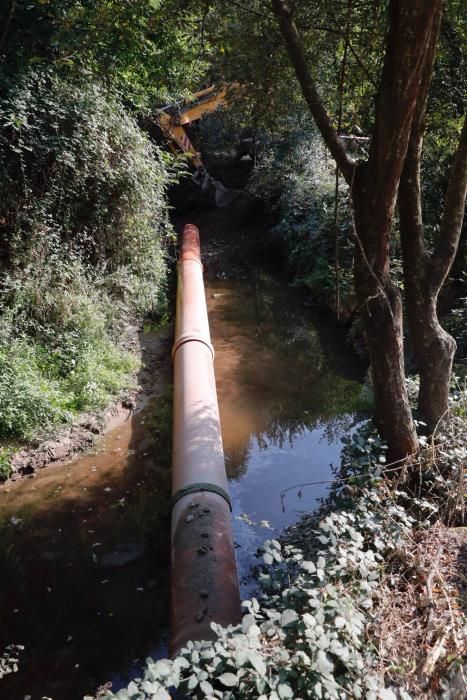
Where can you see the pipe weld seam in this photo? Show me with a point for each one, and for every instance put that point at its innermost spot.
(189, 339)
(187, 259)
(198, 488)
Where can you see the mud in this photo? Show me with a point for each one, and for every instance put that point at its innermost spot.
(66, 442)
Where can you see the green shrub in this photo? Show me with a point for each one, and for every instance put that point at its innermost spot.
(295, 178)
(5, 463)
(77, 166)
(58, 343)
(27, 400)
(83, 230)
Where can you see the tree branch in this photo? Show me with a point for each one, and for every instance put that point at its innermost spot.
(453, 216)
(244, 8)
(292, 42)
(410, 191)
(338, 32)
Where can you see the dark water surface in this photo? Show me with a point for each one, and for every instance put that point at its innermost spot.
(84, 547)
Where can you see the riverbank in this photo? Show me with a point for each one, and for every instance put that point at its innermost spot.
(150, 350)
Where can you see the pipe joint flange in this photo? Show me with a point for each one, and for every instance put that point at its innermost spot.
(198, 488)
(189, 258)
(192, 338)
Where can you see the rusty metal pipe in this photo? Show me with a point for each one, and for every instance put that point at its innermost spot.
(204, 583)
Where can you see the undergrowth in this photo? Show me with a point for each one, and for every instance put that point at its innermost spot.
(9, 659)
(295, 179)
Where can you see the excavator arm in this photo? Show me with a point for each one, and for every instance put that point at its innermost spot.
(173, 118)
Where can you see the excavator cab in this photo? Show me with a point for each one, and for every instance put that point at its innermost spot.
(173, 118)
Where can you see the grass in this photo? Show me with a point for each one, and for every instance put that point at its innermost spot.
(59, 354)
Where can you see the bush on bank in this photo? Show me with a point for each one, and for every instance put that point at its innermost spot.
(295, 178)
(83, 233)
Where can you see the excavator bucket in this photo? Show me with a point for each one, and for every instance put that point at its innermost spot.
(221, 195)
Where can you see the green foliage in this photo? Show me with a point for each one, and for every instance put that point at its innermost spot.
(83, 211)
(77, 166)
(57, 351)
(141, 48)
(83, 243)
(295, 178)
(5, 463)
(9, 659)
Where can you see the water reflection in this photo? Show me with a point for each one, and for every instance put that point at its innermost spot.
(288, 390)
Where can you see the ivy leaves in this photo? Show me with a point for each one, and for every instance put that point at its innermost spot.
(306, 638)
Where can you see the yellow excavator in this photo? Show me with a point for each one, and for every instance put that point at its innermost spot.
(172, 120)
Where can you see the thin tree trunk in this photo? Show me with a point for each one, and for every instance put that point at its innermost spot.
(336, 187)
(381, 309)
(425, 273)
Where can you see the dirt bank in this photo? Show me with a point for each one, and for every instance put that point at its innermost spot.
(60, 444)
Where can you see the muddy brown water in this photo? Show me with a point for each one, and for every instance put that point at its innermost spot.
(84, 547)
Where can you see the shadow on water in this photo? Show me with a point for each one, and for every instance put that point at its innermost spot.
(84, 552)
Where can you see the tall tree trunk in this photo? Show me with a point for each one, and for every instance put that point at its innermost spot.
(381, 309)
(425, 273)
(374, 189)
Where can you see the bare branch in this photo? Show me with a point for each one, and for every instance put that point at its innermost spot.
(451, 224)
(292, 41)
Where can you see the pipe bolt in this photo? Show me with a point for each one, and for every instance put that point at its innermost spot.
(201, 614)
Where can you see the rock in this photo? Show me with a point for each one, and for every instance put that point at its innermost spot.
(129, 402)
(58, 449)
(122, 554)
(92, 424)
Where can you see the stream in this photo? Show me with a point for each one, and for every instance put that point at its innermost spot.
(84, 547)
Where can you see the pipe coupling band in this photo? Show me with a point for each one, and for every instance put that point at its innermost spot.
(186, 257)
(199, 487)
(192, 338)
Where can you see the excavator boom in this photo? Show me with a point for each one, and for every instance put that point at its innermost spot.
(172, 119)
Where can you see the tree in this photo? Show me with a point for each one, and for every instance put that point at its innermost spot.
(425, 272)
(403, 88)
(138, 48)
